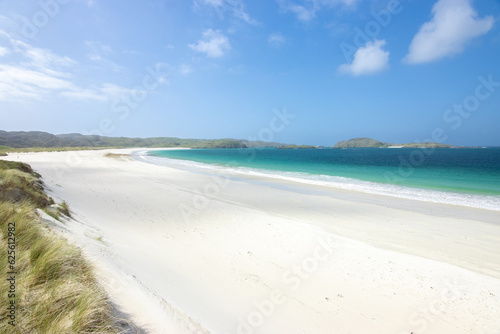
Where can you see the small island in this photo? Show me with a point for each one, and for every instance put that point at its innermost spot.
(295, 147)
(369, 142)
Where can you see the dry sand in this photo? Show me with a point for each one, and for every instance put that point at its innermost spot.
(187, 251)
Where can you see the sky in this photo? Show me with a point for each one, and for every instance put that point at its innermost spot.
(293, 71)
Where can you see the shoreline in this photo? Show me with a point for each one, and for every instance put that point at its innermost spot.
(254, 246)
(433, 195)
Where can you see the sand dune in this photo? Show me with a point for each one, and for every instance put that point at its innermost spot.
(192, 251)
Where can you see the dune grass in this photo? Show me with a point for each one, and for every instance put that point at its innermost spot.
(55, 288)
(117, 156)
(5, 150)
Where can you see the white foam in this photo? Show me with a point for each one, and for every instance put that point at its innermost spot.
(470, 200)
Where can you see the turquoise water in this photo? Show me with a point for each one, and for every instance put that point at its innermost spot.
(455, 172)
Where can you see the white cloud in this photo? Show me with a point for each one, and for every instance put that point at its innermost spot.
(217, 3)
(45, 59)
(106, 92)
(303, 13)
(235, 7)
(41, 59)
(185, 69)
(99, 53)
(369, 59)
(306, 10)
(240, 13)
(214, 44)
(17, 82)
(454, 23)
(40, 74)
(276, 40)
(34, 73)
(84, 95)
(98, 47)
(3, 51)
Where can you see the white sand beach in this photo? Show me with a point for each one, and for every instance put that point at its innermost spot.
(186, 251)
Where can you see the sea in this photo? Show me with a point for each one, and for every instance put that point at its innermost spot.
(459, 176)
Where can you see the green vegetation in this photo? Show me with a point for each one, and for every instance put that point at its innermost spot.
(19, 183)
(4, 149)
(428, 145)
(117, 156)
(43, 141)
(360, 142)
(369, 142)
(294, 147)
(55, 289)
(221, 143)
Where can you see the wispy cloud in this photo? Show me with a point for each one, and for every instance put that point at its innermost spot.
(236, 8)
(99, 48)
(303, 13)
(276, 40)
(103, 93)
(33, 73)
(369, 59)
(185, 69)
(214, 44)
(99, 53)
(18, 83)
(306, 10)
(453, 25)
(3, 51)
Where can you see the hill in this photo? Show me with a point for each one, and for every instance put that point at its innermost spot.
(21, 139)
(369, 142)
(360, 142)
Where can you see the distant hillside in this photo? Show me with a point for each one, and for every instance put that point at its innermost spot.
(369, 142)
(295, 147)
(21, 139)
(360, 142)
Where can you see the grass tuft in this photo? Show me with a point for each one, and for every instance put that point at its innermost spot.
(19, 183)
(56, 290)
(64, 209)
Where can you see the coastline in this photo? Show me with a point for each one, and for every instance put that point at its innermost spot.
(474, 190)
(189, 252)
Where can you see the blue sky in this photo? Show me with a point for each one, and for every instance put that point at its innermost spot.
(294, 71)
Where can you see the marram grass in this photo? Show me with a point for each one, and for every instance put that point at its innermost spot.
(55, 288)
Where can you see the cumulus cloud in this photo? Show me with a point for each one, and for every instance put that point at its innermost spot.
(303, 13)
(276, 40)
(214, 44)
(454, 23)
(369, 59)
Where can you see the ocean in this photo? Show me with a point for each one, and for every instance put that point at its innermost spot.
(464, 176)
